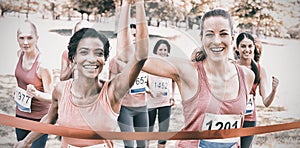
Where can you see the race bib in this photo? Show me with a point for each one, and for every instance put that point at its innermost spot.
(23, 101)
(220, 122)
(250, 105)
(103, 145)
(140, 84)
(160, 85)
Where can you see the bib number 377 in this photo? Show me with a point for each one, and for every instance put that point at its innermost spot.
(23, 101)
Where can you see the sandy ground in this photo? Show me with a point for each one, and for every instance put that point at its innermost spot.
(281, 61)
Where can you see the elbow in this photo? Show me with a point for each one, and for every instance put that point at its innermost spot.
(266, 105)
(141, 62)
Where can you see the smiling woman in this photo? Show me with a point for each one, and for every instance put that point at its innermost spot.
(86, 102)
(213, 90)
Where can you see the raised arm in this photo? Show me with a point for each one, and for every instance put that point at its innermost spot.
(264, 89)
(123, 81)
(181, 70)
(124, 49)
(67, 67)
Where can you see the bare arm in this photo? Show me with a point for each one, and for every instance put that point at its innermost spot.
(124, 50)
(264, 89)
(182, 71)
(123, 81)
(50, 118)
(67, 68)
(45, 75)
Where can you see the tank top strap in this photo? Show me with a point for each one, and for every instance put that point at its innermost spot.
(21, 58)
(201, 75)
(241, 75)
(67, 88)
(36, 63)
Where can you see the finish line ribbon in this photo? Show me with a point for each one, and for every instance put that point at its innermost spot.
(180, 135)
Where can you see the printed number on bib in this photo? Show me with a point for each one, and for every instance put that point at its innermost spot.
(23, 100)
(140, 84)
(220, 122)
(160, 85)
(250, 105)
(93, 146)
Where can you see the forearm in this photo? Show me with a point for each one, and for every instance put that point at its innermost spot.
(268, 100)
(43, 96)
(123, 37)
(32, 136)
(65, 75)
(142, 35)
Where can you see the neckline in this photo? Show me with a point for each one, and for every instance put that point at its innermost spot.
(209, 89)
(32, 66)
(73, 96)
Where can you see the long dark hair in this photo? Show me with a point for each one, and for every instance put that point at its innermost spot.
(242, 36)
(254, 67)
(85, 33)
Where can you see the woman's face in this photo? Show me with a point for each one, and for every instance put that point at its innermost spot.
(27, 38)
(162, 50)
(246, 49)
(90, 57)
(217, 38)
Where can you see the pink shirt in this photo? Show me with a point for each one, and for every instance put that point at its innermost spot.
(97, 116)
(159, 85)
(25, 77)
(203, 102)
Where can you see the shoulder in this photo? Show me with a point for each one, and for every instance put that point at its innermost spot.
(58, 89)
(248, 72)
(249, 76)
(44, 72)
(19, 52)
(44, 64)
(262, 71)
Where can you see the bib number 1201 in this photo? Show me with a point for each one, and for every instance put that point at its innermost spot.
(221, 125)
(221, 122)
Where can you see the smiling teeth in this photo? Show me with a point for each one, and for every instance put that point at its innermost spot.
(217, 49)
(90, 67)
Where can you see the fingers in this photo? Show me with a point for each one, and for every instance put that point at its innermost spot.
(31, 90)
(275, 82)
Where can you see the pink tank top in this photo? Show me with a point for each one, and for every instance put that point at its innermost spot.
(25, 77)
(252, 117)
(97, 116)
(161, 85)
(203, 102)
(130, 100)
